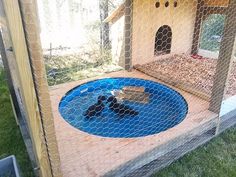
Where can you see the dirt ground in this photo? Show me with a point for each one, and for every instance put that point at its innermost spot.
(197, 73)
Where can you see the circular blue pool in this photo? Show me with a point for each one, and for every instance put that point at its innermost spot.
(164, 108)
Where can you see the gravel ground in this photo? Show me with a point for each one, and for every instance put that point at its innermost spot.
(197, 73)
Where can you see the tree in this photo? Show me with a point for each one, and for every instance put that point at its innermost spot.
(105, 43)
(212, 30)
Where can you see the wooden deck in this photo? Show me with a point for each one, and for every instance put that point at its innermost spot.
(86, 155)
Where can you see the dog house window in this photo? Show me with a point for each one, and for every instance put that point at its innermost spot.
(175, 4)
(163, 40)
(157, 5)
(167, 4)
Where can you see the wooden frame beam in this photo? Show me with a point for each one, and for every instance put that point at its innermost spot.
(14, 95)
(8, 59)
(26, 84)
(31, 28)
(203, 12)
(214, 10)
(116, 14)
(225, 58)
(197, 26)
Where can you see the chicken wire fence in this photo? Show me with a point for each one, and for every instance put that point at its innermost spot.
(145, 67)
(76, 41)
(140, 83)
(84, 39)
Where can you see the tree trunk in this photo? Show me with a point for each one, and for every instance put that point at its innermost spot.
(104, 28)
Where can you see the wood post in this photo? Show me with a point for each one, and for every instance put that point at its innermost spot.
(31, 27)
(8, 59)
(225, 58)
(214, 10)
(197, 26)
(15, 97)
(128, 34)
(33, 106)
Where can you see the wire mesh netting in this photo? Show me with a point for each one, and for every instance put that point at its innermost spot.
(134, 84)
(76, 41)
(123, 107)
(145, 74)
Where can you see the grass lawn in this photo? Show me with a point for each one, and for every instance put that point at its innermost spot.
(215, 159)
(11, 141)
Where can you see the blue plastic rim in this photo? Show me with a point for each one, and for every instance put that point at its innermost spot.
(165, 109)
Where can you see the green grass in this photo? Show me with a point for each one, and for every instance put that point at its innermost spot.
(11, 142)
(215, 159)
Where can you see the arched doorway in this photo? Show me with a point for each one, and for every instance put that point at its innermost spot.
(163, 40)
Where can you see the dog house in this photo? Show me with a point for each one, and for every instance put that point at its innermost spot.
(149, 17)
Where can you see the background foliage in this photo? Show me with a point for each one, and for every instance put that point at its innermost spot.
(212, 31)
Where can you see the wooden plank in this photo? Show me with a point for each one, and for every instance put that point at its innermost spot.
(31, 27)
(128, 34)
(214, 10)
(133, 89)
(173, 155)
(29, 99)
(225, 59)
(116, 14)
(168, 158)
(2, 15)
(226, 121)
(13, 83)
(217, 3)
(162, 150)
(197, 26)
(13, 97)
(20, 118)
(138, 97)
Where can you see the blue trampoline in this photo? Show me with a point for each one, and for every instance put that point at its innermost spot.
(165, 109)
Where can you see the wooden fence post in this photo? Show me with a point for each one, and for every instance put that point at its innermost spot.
(9, 64)
(197, 26)
(31, 27)
(26, 84)
(225, 58)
